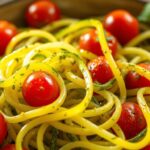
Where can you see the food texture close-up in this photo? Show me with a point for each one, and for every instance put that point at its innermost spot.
(74, 76)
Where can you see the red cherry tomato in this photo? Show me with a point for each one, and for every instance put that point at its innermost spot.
(131, 120)
(40, 89)
(10, 147)
(7, 32)
(146, 148)
(122, 25)
(100, 70)
(3, 128)
(134, 80)
(41, 13)
(89, 41)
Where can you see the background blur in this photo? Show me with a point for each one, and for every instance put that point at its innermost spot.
(13, 10)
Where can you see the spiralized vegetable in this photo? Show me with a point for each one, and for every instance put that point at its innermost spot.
(78, 118)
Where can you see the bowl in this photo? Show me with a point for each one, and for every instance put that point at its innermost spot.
(13, 10)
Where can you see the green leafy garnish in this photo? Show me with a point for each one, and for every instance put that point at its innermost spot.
(98, 86)
(94, 99)
(72, 137)
(145, 14)
(53, 143)
(139, 136)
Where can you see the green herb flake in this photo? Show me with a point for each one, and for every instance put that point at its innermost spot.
(19, 90)
(53, 142)
(94, 99)
(97, 39)
(139, 136)
(55, 71)
(109, 38)
(1, 81)
(13, 87)
(17, 59)
(21, 74)
(27, 66)
(62, 57)
(73, 62)
(72, 137)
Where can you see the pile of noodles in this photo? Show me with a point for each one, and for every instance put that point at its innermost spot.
(85, 114)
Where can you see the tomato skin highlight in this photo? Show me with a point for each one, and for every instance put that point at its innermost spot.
(100, 70)
(134, 80)
(3, 128)
(132, 120)
(40, 89)
(10, 147)
(89, 41)
(7, 32)
(42, 12)
(122, 25)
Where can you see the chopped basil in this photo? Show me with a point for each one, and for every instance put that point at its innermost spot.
(145, 14)
(94, 99)
(98, 86)
(139, 136)
(13, 87)
(53, 143)
(72, 137)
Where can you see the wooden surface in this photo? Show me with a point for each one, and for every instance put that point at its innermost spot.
(14, 11)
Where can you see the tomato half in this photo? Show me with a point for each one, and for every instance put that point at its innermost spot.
(131, 120)
(134, 80)
(100, 70)
(122, 25)
(3, 128)
(40, 88)
(7, 32)
(89, 41)
(41, 13)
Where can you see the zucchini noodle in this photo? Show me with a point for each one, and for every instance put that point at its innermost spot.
(85, 114)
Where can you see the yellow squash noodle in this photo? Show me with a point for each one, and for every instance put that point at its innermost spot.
(76, 119)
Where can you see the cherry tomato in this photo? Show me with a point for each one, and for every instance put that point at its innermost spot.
(41, 13)
(40, 89)
(89, 41)
(146, 148)
(131, 120)
(122, 25)
(3, 128)
(7, 32)
(100, 70)
(10, 147)
(134, 80)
